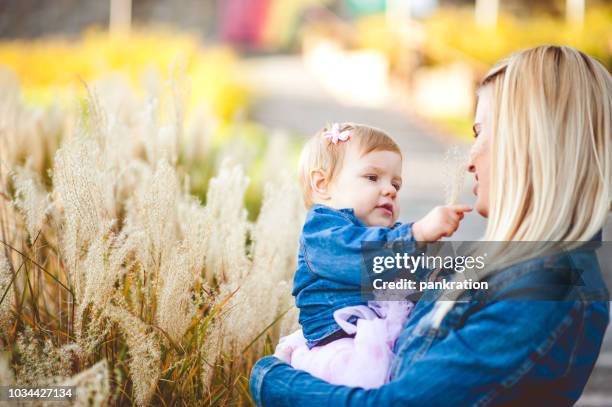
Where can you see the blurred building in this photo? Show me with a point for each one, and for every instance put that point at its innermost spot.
(36, 18)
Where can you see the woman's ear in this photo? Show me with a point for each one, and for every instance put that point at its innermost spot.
(319, 184)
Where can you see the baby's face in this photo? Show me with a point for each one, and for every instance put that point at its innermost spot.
(369, 184)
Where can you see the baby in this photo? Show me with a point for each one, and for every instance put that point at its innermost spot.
(350, 176)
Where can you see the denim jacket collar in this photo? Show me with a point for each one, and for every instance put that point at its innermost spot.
(348, 213)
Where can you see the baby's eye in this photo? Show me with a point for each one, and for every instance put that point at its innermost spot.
(396, 186)
(372, 178)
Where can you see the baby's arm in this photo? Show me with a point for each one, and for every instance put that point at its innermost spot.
(441, 221)
(333, 246)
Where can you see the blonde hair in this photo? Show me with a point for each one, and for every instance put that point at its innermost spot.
(320, 153)
(551, 151)
(551, 154)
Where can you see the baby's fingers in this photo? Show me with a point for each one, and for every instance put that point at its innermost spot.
(460, 208)
(451, 215)
(450, 226)
(284, 353)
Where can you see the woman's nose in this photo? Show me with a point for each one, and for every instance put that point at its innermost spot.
(471, 167)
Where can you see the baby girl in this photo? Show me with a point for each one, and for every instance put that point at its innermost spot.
(350, 176)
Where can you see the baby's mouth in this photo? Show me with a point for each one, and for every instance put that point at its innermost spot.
(387, 208)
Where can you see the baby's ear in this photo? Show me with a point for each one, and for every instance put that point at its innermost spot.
(319, 184)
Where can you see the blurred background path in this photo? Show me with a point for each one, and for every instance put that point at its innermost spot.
(289, 97)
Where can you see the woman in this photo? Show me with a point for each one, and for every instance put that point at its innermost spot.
(542, 161)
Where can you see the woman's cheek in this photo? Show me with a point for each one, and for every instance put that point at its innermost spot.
(482, 200)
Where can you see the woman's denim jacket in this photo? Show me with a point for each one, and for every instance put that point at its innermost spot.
(507, 350)
(329, 268)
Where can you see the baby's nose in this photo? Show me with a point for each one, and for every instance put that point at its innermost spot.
(390, 191)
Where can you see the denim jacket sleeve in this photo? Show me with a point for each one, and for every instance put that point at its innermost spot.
(468, 366)
(332, 244)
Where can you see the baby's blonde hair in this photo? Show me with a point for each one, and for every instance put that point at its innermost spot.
(320, 153)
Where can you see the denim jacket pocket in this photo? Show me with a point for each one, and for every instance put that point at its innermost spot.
(425, 334)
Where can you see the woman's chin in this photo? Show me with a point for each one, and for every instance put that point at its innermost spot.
(483, 210)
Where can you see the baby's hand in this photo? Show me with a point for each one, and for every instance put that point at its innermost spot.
(283, 352)
(441, 221)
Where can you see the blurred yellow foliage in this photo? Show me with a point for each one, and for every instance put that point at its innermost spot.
(453, 34)
(374, 33)
(53, 68)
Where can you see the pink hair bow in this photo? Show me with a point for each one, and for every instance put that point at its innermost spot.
(334, 134)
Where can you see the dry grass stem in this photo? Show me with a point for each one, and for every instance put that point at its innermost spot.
(455, 163)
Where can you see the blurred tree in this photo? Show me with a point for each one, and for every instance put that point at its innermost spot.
(523, 7)
(574, 11)
(243, 22)
(365, 7)
(486, 12)
(120, 18)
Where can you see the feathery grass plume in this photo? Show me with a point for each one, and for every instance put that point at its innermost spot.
(264, 294)
(121, 142)
(46, 127)
(210, 351)
(11, 117)
(6, 372)
(290, 322)
(11, 231)
(152, 210)
(28, 133)
(175, 307)
(147, 128)
(94, 118)
(114, 96)
(195, 232)
(84, 191)
(105, 264)
(40, 362)
(138, 251)
(92, 386)
(143, 350)
(180, 86)
(226, 258)
(455, 167)
(6, 317)
(277, 157)
(276, 233)
(197, 143)
(166, 144)
(31, 199)
(161, 139)
(92, 328)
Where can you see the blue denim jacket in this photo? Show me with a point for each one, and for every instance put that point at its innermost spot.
(329, 268)
(504, 351)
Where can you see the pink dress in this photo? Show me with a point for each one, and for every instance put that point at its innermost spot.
(362, 361)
